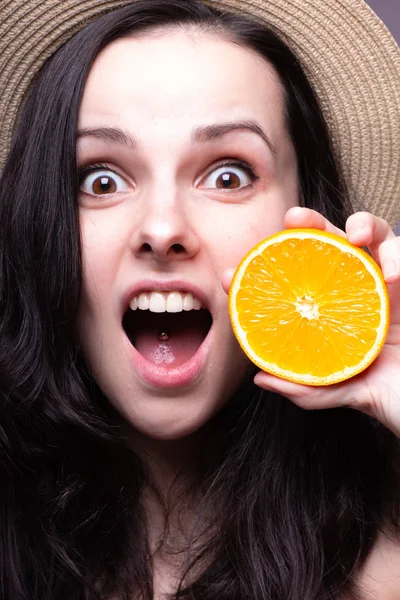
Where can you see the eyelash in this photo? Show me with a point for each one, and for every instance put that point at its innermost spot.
(85, 171)
(241, 165)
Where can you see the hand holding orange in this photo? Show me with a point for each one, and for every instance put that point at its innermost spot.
(313, 341)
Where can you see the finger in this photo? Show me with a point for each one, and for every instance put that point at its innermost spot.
(306, 217)
(308, 397)
(226, 279)
(301, 395)
(365, 229)
(389, 259)
(349, 394)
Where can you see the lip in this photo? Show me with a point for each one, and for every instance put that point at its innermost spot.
(154, 285)
(169, 377)
(164, 377)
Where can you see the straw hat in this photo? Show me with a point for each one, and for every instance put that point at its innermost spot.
(348, 54)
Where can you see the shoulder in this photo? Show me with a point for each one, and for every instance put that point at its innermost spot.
(379, 578)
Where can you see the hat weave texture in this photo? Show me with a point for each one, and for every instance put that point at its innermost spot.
(350, 58)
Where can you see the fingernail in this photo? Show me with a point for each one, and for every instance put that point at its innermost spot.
(390, 269)
(359, 229)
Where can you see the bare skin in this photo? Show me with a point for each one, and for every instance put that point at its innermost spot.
(380, 576)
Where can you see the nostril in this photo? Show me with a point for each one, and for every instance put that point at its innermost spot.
(174, 248)
(178, 248)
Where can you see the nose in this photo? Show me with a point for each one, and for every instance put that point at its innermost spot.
(165, 231)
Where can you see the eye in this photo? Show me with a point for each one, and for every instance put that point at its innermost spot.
(101, 181)
(232, 176)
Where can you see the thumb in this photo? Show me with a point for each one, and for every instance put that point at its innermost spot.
(227, 279)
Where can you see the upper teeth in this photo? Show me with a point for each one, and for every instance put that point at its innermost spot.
(159, 302)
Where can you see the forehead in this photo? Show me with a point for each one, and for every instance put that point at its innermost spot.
(180, 77)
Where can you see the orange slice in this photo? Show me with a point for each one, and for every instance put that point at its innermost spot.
(309, 307)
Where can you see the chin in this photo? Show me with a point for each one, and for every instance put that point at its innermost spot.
(169, 419)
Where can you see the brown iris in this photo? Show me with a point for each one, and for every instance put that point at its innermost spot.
(104, 185)
(228, 181)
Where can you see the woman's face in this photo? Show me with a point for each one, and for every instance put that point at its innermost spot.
(186, 164)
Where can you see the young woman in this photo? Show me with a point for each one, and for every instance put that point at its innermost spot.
(140, 458)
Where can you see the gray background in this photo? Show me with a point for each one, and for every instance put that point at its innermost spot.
(389, 12)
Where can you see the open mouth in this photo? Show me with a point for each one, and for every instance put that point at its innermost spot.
(166, 328)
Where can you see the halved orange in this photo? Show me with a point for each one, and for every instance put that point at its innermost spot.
(309, 307)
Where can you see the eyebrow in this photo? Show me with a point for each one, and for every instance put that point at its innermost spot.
(212, 133)
(113, 135)
(208, 133)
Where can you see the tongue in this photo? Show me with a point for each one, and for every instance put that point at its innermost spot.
(169, 339)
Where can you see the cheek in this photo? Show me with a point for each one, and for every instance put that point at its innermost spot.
(103, 242)
(98, 273)
(231, 234)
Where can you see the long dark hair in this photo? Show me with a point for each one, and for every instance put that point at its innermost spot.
(298, 497)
